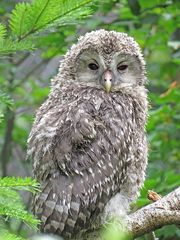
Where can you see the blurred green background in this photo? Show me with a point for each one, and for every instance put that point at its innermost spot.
(25, 80)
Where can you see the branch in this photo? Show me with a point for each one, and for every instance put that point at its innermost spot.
(6, 149)
(151, 217)
(164, 211)
(10, 119)
(35, 29)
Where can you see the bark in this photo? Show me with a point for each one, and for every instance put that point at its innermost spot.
(164, 211)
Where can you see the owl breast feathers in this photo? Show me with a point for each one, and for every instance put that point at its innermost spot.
(88, 141)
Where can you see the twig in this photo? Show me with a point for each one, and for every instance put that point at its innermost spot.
(160, 213)
(163, 212)
(151, 236)
(154, 197)
(7, 141)
(10, 117)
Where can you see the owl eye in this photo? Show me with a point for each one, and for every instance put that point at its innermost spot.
(122, 67)
(93, 66)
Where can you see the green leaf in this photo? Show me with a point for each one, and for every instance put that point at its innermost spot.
(113, 230)
(6, 235)
(2, 32)
(18, 213)
(19, 183)
(27, 19)
(152, 3)
(5, 99)
(142, 202)
(11, 205)
(11, 197)
(19, 22)
(8, 46)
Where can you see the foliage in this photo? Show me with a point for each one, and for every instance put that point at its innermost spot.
(11, 205)
(114, 230)
(27, 20)
(24, 77)
(5, 101)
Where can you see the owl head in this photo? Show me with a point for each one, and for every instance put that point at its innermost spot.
(104, 59)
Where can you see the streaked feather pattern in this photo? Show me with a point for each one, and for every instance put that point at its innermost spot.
(87, 146)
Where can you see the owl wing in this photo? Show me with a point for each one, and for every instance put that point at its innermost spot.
(72, 151)
(65, 138)
(81, 150)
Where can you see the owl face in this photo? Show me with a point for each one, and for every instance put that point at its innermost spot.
(108, 70)
(106, 59)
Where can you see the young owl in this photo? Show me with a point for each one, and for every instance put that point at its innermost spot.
(88, 141)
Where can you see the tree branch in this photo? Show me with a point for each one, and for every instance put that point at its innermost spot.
(163, 212)
(151, 217)
(6, 149)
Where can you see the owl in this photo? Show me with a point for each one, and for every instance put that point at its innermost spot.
(88, 142)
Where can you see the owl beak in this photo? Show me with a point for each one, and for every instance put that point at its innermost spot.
(107, 80)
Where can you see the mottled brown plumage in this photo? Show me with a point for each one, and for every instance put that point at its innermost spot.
(88, 145)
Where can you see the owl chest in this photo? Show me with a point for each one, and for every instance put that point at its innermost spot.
(118, 123)
(115, 136)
